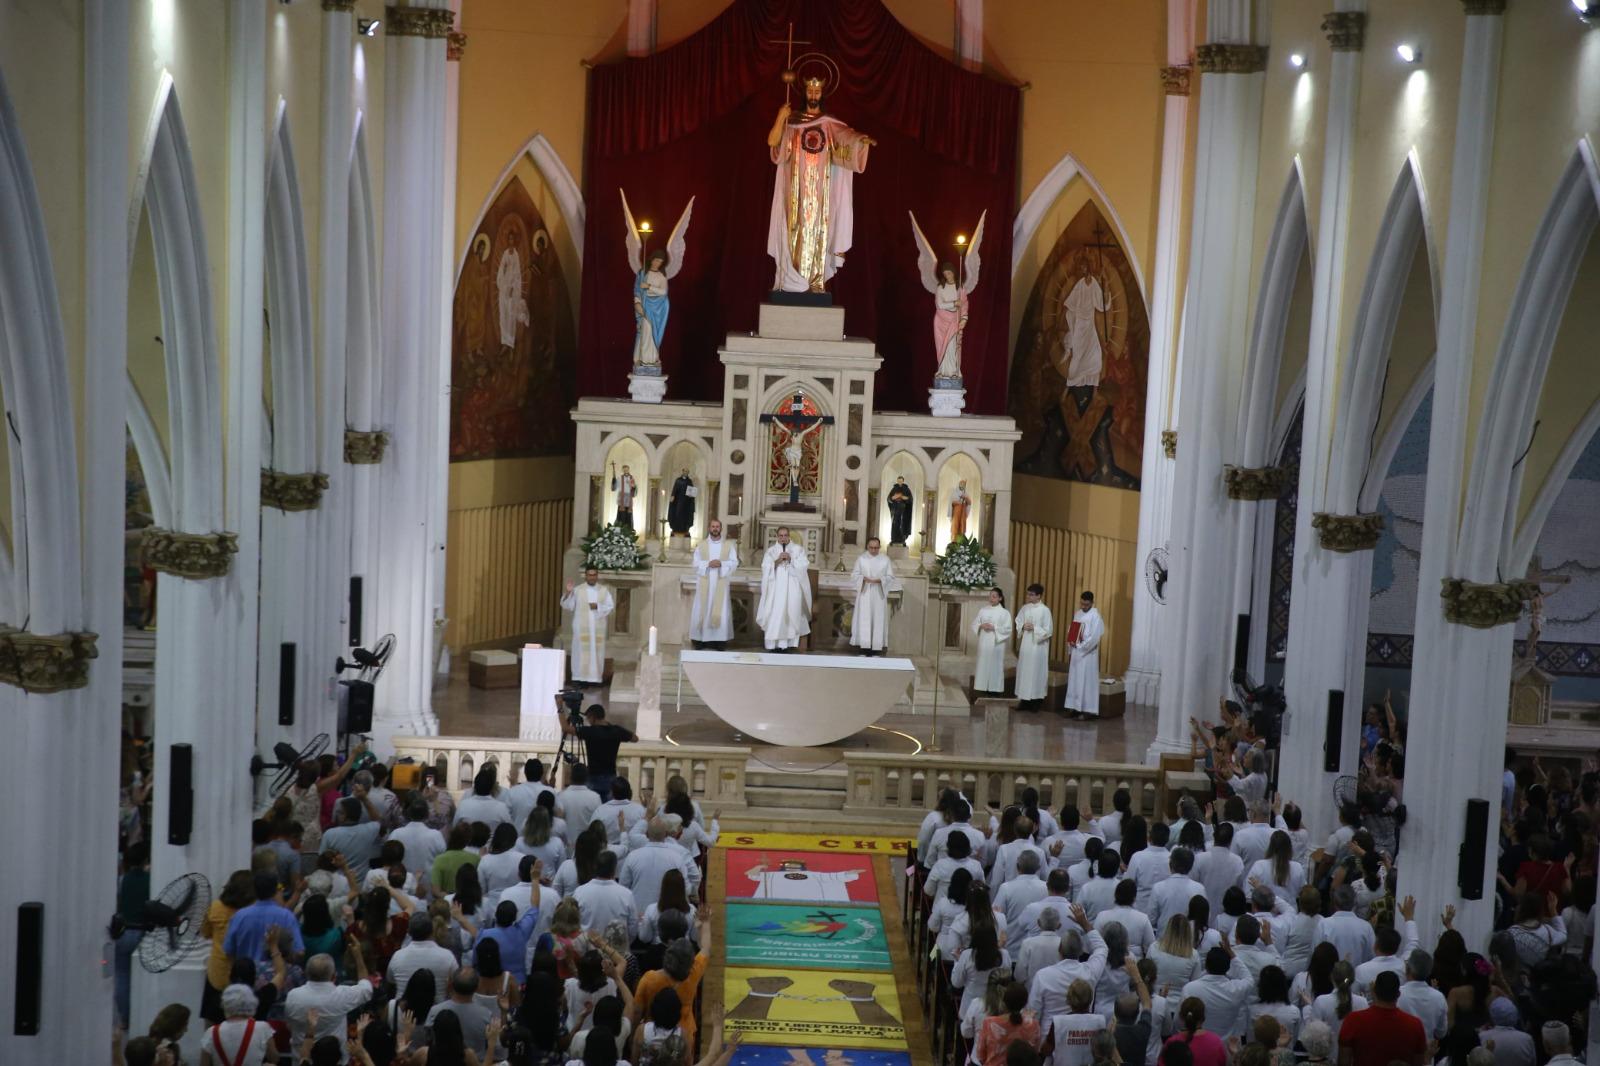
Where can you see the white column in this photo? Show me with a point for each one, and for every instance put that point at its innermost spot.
(1143, 678)
(414, 206)
(641, 27)
(1194, 663)
(969, 33)
(1460, 679)
(1324, 582)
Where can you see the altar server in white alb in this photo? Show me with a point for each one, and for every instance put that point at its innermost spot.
(1034, 629)
(874, 579)
(1083, 673)
(591, 603)
(785, 611)
(992, 630)
(711, 616)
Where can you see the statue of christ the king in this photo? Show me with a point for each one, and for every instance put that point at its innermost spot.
(811, 226)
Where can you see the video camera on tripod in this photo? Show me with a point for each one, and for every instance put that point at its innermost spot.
(1264, 704)
(572, 749)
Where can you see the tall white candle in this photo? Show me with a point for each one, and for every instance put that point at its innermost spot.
(652, 640)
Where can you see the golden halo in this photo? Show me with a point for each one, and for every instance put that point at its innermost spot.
(480, 247)
(830, 77)
(541, 241)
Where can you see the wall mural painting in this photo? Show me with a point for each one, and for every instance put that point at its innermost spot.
(1082, 356)
(512, 367)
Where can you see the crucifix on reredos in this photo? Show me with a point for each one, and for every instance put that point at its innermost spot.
(794, 454)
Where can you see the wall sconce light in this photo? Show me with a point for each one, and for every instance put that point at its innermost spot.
(1409, 53)
(368, 27)
(1297, 60)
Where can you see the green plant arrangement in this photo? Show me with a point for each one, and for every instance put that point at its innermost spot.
(613, 548)
(966, 564)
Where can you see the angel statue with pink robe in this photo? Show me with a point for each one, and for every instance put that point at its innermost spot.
(950, 287)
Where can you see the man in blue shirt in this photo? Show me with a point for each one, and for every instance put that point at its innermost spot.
(511, 932)
(247, 932)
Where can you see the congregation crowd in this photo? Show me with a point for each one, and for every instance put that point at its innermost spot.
(524, 924)
(1228, 936)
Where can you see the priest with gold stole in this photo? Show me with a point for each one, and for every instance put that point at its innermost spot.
(711, 615)
(811, 226)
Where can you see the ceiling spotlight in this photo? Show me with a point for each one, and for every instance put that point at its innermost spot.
(1297, 60)
(1588, 10)
(1409, 53)
(368, 27)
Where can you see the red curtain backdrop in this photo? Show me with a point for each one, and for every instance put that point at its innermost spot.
(693, 121)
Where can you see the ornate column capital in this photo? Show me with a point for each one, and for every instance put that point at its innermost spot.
(46, 663)
(191, 555)
(1484, 7)
(1346, 30)
(431, 22)
(1253, 483)
(339, 5)
(292, 492)
(1484, 606)
(1230, 58)
(1175, 80)
(455, 44)
(364, 447)
(1347, 532)
(1169, 443)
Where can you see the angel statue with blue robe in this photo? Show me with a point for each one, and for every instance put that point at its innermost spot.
(650, 276)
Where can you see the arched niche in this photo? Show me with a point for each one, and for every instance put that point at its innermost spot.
(680, 458)
(902, 464)
(959, 468)
(626, 452)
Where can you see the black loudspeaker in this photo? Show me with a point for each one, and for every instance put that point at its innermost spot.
(358, 707)
(286, 684)
(1333, 737)
(30, 969)
(355, 611)
(1241, 642)
(1474, 841)
(180, 793)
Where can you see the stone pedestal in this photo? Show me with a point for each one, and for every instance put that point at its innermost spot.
(647, 388)
(805, 528)
(996, 725)
(679, 548)
(648, 726)
(947, 402)
(800, 323)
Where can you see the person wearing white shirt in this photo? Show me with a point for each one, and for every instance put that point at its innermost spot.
(332, 1002)
(1337, 849)
(1111, 824)
(1008, 854)
(1141, 935)
(1250, 843)
(237, 1040)
(1047, 993)
(520, 896)
(603, 900)
(1100, 891)
(1271, 998)
(1071, 1031)
(972, 968)
(1389, 951)
(1297, 940)
(577, 802)
(1013, 897)
(1066, 847)
(1511, 1046)
(946, 908)
(481, 805)
(1350, 935)
(356, 840)
(960, 822)
(1253, 785)
(1253, 946)
(931, 822)
(650, 923)
(1277, 868)
(498, 869)
(958, 855)
(1420, 999)
(1557, 1040)
(1055, 899)
(1177, 960)
(422, 954)
(1039, 950)
(1172, 895)
(1224, 988)
(1220, 868)
(644, 867)
(1150, 866)
(422, 842)
(521, 797)
(1299, 835)
(620, 813)
(1325, 1008)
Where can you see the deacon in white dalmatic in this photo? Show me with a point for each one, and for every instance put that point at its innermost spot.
(785, 611)
(874, 579)
(1083, 673)
(711, 616)
(992, 628)
(1034, 629)
(591, 603)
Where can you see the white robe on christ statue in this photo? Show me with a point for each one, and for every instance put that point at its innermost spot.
(1033, 651)
(785, 611)
(590, 605)
(990, 675)
(1083, 674)
(869, 622)
(711, 616)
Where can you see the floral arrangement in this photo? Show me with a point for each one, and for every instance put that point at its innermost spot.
(966, 565)
(613, 548)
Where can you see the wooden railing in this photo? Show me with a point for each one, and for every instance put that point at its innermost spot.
(893, 785)
(715, 774)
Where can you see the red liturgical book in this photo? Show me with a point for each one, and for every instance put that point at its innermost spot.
(1074, 633)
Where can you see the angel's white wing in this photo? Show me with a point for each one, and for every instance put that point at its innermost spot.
(973, 260)
(675, 243)
(927, 262)
(635, 248)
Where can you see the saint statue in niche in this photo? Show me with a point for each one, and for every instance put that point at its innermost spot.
(960, 510)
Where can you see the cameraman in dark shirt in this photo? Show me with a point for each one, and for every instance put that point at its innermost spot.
(601, 739)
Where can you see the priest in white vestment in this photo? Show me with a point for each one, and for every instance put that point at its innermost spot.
(785, 611)
(992, 630)
(591, 603)
(1034, 628)
(711, 616)
(1083, 673)
(874, 579)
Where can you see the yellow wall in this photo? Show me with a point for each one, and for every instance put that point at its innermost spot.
(1066, 562)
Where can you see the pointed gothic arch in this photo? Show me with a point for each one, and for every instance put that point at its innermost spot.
(1288, 252)
(288, 300)
(1044, 195)
(569, 198)
(362, 325)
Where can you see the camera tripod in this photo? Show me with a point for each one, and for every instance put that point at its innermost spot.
(572, 749)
